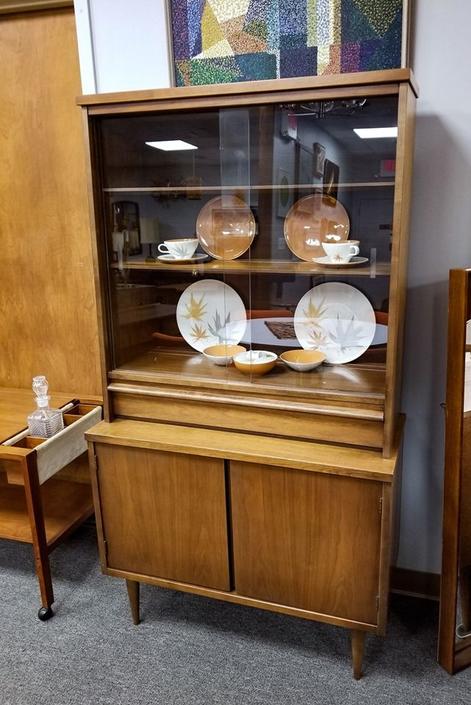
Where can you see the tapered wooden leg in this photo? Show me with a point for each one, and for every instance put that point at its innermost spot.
(133, 594)
(358, 647)
(38, 534)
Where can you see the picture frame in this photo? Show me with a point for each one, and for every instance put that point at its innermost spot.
(331, 178)
(318, 159)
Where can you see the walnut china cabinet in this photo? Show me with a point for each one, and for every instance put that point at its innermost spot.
(244, 234)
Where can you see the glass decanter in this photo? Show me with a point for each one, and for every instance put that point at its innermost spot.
(44, 421)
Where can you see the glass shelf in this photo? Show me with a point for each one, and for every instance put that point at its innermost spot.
(252, 187)
(244, 266)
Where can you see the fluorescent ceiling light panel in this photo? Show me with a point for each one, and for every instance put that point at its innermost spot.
(375, 133)
(172, 145)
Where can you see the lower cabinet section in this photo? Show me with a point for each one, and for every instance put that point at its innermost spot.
(303, 529)
(164, 514)
(307, 540)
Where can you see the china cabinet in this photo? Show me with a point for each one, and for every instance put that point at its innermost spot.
(277, 216)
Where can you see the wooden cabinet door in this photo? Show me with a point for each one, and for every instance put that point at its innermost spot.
(307, 540)
(164, 514)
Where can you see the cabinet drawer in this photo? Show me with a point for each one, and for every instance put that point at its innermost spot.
(57, 452)
(164, 514)
(307, 540)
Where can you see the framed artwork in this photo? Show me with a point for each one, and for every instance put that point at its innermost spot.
(331, 178)
(224, 41)
(318, 159)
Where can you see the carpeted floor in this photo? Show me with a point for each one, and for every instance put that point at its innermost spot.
(194, 651)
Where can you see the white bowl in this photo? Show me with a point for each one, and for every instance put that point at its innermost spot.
(222, 354)
(257, 362)
(303, 360)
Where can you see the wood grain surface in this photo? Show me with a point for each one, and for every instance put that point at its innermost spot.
(345, 80)
(399, 259)
(313, 457)
(64, 506)
(47, 299)
(307, 540)
(459, 311)
(164, 514)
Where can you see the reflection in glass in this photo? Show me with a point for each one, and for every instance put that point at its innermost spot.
(260, 190)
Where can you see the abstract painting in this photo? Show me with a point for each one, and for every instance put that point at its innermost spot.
(223, 41)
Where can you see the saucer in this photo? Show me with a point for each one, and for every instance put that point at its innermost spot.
(327, 262)
(179, 260)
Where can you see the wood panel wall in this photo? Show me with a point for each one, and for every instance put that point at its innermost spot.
(48, 322)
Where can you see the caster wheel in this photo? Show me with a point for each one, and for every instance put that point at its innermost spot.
(45, 613)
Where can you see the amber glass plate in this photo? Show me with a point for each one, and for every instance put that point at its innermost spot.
(225, 227)
(312, 220)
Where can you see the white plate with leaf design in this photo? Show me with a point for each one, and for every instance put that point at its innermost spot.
(210, 312)
(336, 319)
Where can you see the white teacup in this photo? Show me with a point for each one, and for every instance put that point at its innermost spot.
(341, 251)
(180, 248)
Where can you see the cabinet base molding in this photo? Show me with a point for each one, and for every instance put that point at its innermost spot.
(237, 599)
(358, 634)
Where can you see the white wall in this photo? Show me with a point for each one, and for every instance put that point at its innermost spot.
(123, 45)
(440, 240)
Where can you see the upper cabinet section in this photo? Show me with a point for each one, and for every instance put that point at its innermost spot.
(282, 177)
(269, 222)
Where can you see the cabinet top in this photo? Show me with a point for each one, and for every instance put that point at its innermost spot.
(344, 80)
(279, 452)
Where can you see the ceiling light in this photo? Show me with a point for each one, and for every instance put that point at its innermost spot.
(172, 145)
(374, 133)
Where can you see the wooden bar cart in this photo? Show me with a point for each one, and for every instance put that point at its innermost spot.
(44, 485)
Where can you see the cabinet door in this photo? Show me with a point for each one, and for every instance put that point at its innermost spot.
(164, 514)
(307, 540)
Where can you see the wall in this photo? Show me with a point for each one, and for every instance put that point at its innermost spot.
(123, 47)
(440, 240)
(47, 301)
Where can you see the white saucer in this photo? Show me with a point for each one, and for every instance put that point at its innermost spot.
(179, 260)
(327, 262)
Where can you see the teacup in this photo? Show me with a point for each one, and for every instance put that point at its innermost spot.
(180, 248)
(341, 251)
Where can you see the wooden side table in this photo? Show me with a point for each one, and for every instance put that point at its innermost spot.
(39, 504)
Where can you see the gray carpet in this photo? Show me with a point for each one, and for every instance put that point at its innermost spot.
(194, 651)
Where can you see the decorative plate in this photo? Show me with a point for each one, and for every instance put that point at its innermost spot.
(354, 262)
(312, 220)
(336, 319)
(210, 312)
(225, 227)
(199, 257)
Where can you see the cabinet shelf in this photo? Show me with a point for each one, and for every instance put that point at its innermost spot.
(65, 506)
(242, 266)
(246, 187)
(363, 384)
